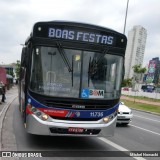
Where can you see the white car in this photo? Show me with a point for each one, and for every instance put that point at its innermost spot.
(124, 114)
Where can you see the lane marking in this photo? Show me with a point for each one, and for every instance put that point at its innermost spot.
(146, 118)
(120, 148)
(144, 129)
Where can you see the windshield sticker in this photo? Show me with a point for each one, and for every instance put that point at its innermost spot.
(59, 87)
(92, 93)
(85, 93)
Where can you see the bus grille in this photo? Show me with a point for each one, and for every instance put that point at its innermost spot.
(70, 105)
(75, 119)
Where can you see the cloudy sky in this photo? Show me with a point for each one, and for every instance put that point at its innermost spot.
(18, 16)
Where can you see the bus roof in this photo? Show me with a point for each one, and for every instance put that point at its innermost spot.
(75, 24)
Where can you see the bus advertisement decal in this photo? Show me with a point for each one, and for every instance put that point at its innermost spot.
(54, 112)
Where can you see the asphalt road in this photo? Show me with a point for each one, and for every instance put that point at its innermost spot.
(142, 134)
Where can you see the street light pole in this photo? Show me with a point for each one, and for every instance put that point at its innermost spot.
(125, 17)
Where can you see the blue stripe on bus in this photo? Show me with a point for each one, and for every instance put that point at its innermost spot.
(76, 113)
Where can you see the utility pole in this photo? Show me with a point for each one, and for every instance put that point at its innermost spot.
(125, 17)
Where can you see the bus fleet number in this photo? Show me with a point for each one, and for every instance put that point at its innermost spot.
(96, 114)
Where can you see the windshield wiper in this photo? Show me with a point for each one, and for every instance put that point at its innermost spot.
(93, 66)
(65, 59)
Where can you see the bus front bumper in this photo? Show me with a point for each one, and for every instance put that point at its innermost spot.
(36, 126)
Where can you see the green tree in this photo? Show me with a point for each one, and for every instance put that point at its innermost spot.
(127, 82)
(138, 70)
(17, 69)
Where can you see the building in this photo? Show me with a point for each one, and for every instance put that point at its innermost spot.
(10, 74)
(3, 75)
(153, 75)
(135, 49)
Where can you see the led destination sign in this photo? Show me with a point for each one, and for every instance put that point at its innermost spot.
(80, 36)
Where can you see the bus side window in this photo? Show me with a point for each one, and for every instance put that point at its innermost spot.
(22, 77)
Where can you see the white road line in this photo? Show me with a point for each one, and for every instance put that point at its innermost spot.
(145, 129)
(120, 148)
(147, 118)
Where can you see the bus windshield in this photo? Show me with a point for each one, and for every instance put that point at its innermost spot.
(75, 73)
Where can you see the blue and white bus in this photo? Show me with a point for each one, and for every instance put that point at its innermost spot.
(70, 79)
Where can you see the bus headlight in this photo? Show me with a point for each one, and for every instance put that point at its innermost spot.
(33, 109)
(106, 119)
(41, 115)
(110, 117)
(44, 117)
(38, 114)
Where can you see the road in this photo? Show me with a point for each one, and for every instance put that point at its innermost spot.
(142, 134)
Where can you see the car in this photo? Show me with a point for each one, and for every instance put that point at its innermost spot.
(125, 89)
(148, 88)
(124, 114)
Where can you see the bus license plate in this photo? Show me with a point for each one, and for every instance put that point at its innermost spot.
(76, 130)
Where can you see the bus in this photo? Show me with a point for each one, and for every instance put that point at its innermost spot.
(70, 79)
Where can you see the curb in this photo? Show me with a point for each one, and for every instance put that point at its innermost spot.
(140, 101)
(158, 114)
(2, 117)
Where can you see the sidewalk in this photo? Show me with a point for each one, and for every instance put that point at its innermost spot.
(7, 138)
(9, 95)
(140, 101)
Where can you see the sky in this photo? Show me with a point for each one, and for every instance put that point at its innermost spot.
(18, 16)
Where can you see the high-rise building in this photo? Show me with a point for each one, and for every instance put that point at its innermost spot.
(135, 49)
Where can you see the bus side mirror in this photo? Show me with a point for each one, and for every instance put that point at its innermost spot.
(25, 56)
(22, 73)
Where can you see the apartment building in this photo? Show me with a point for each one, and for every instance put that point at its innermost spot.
(135, 49)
